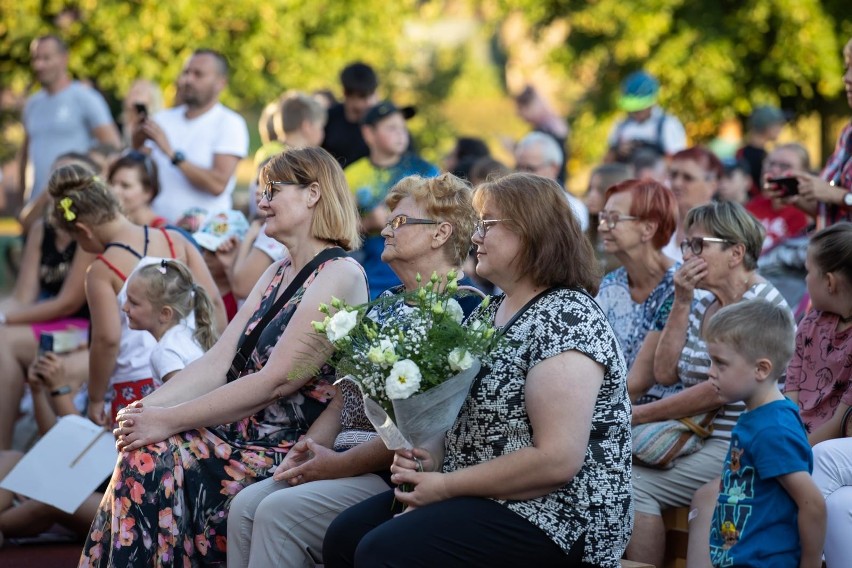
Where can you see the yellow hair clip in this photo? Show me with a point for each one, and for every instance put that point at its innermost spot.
(65, 204)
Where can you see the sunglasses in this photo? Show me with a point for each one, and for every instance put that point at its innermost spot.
(270, 185)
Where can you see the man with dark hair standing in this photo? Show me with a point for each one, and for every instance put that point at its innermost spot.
(343, 138)
(198, 144)
(64, 116)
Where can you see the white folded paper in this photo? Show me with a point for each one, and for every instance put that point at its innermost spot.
(66, 465)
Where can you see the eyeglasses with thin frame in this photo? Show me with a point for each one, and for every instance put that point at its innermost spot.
(613, 218)
(528, 168)
(401, 220)
(481, 226)
(696, 244)
(267, 192)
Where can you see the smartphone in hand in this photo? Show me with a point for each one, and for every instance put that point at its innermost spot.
(788, 186)
(141, 110)
(45, 343)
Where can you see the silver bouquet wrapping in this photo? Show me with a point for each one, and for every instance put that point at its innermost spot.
(422, 417)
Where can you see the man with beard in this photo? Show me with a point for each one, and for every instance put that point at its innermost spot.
(198, 144)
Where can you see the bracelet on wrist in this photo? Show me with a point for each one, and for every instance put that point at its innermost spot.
(64, 389)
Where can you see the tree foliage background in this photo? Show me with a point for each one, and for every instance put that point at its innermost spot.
(715, 59)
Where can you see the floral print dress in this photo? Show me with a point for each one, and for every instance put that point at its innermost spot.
(167, 503)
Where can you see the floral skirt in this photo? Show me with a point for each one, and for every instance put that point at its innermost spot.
(167, 503)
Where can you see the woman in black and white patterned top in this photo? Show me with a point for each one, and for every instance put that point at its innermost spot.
(719, 268)
(537, 466)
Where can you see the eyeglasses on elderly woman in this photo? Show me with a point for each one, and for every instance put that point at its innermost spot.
(401, 220)
(696, 244)
(613, 218)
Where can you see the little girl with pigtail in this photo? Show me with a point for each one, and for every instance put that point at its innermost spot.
(164, 300)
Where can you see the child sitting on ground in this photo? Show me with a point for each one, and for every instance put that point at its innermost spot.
(769, 511)
(162, 300)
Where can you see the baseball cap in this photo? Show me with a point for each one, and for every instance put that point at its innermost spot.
(639, 91)
(220, 227)
(384, 109)
(762, 117)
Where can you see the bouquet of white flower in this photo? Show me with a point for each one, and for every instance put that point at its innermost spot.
(412, 355)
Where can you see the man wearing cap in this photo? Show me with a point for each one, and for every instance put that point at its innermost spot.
(646, 125)
(343, 138)
(370, 179)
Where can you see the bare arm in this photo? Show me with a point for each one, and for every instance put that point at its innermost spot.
(673, 336)
(812, 516)
(688, 402)
(108, 134)
(22, 165)
(299, 351)
(27, 284)
(33, 211)
(831, 429)
(106, 335)
(560, 399)
(69, 300)
(640, 376)
(214, 180)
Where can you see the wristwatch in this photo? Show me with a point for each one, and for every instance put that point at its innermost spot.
(847, 199)
(178, 157)
(64, 389)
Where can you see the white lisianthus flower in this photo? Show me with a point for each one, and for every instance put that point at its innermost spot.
(404, 380)
(460, 359)
(388, 349)
(454, 310)
(340, 325)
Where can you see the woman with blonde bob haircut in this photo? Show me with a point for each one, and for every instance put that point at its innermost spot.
(198, 440)
(536, 468)
(332, 221)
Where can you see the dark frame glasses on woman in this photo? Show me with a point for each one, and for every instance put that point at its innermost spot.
(267, 194)
(401, 220)
(696, 244)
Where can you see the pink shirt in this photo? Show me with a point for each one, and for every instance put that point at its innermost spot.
(821, 368)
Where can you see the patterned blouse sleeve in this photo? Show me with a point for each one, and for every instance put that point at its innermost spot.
(568, 320)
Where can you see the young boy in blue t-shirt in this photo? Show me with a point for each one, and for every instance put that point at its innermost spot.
(769, 512)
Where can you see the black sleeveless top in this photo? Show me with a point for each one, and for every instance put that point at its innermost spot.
(55, 266)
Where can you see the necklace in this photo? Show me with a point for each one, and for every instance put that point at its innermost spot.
(846, 319)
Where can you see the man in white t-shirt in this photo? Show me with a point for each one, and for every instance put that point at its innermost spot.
(647, 126)
(539, 153)
(197, 145)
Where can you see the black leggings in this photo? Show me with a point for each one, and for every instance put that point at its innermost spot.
(465, 531)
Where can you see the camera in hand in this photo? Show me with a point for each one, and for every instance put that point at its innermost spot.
(788, 186)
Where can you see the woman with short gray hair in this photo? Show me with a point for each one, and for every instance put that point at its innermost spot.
(720, 252)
